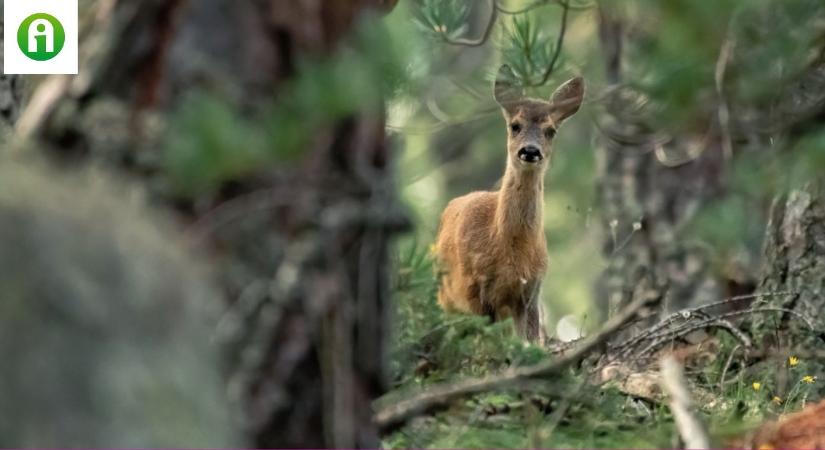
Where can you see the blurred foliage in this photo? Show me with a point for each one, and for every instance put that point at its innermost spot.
(211, 140)
(103, 320)
(677, 45)
(443, 19)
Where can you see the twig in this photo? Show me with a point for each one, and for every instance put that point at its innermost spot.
(538, 4)
(488, 29)
(723, 112)
(565, 5)
(439, 395)
(725, 369)
(659, 338)
(743, 338)
(559, 413)
(690, 428)
(688, 313)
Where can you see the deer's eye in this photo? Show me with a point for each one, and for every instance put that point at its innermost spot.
(515, 127)
(550, 133)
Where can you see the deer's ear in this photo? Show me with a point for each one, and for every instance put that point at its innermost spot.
(567, 99)
(505, 90)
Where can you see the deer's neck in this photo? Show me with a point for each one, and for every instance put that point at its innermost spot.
(520, 203)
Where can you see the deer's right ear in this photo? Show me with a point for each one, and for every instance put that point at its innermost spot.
(567, 99)
(505, 90)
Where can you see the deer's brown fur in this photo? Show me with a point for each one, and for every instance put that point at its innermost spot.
(491, 247)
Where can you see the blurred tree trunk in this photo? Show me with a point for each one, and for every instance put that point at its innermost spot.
(647, 198)
(794, 263)
(11, 91)
(305, 267)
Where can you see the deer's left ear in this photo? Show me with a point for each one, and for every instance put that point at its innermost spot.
(567, 99)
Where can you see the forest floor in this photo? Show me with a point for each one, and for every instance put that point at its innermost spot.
(575, 409)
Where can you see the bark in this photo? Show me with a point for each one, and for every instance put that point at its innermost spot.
(794, 262)
(303, 247)
(11, 92)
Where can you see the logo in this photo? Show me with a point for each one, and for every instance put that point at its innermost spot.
(41, 37)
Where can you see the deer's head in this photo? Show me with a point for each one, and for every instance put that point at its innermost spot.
(532, 123)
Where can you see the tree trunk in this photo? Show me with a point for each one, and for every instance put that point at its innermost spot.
(646, 200)
(11, 92)
(794, 265)
(303, 246)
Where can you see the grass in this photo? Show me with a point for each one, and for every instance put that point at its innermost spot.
(567, 411)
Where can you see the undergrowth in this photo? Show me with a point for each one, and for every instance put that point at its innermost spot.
(566, 411)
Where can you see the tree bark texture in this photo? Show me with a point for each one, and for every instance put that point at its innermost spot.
(11, 91)
(794, 263)
(302, 247)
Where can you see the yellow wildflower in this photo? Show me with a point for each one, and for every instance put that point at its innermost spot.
(777, 400)
(808, 379)
(793, 361)
(766, 447)
(756, 385)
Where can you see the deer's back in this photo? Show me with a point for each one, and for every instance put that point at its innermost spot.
(466, 227)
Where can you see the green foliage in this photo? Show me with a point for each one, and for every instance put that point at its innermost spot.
(211, 142)
(443, 19)
(529, 49)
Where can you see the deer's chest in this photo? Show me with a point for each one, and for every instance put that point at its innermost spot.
(516, 272)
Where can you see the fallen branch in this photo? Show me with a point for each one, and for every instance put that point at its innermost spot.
(690, 313)
(440, 395)
(684, 322)
(673, 382)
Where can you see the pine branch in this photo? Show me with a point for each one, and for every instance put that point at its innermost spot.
(539, 4)
(559, 43)
(481, 40)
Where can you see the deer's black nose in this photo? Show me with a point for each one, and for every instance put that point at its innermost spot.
(530, 154)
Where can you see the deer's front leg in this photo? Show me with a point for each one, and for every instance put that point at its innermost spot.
(529, 317)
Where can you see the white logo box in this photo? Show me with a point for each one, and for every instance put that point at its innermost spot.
(15, 12)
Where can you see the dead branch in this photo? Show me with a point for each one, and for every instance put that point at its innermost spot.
(440, 395)
(673, 382)
(727, 366)
(684, 322)
(689, 313)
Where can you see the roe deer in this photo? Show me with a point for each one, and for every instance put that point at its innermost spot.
(491, 248)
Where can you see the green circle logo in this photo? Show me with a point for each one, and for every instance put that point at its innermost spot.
(41, 37)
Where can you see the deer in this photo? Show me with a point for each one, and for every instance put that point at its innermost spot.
(490, 247)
